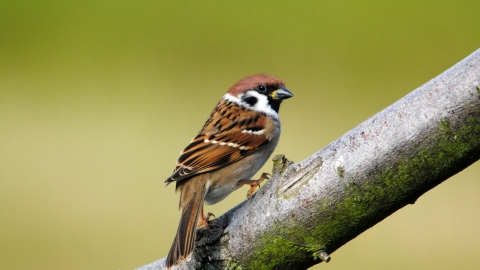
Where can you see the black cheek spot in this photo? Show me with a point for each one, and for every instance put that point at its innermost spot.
(250, 100)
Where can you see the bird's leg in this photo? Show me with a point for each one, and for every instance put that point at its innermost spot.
(203, 220)
(254, 183)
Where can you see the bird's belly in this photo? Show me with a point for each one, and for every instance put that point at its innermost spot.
(225, 180)
(218, 194)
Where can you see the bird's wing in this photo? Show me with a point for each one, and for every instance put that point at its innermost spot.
(230, 134)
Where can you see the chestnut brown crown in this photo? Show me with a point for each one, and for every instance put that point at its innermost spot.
(251, 82)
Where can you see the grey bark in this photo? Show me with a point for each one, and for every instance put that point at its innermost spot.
(309, 209)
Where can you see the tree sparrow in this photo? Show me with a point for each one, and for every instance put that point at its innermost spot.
(237, 139)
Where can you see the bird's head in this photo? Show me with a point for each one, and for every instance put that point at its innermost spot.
(261, 92)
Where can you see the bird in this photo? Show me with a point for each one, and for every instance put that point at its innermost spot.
(233, 144)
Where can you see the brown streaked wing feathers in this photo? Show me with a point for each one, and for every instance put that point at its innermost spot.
(200, 157)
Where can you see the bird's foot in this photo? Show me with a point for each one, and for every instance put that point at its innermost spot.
(203, 220)
(254, 183)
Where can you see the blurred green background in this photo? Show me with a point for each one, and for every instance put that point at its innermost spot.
(97, 98)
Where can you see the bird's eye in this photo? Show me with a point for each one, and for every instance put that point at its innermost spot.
(262, 88)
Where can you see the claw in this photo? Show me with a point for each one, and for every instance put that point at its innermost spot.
(203, 220)
(254, 183)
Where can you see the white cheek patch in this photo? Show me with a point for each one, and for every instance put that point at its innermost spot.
(262, 100)
(260, 106)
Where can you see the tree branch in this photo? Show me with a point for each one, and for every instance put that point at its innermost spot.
(310, 209)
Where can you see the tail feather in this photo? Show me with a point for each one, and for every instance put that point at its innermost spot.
(184, 241)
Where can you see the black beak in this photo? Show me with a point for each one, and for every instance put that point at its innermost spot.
(281, 93)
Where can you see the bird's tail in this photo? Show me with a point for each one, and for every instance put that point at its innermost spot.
(191, 200)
